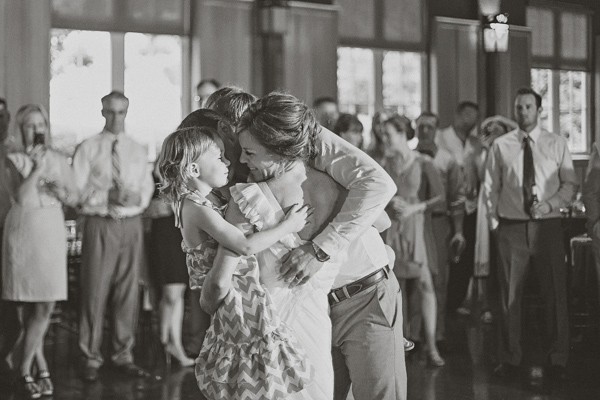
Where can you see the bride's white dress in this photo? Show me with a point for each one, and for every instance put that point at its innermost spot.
(304, 308)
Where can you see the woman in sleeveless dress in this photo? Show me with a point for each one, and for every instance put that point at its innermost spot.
(276, 137)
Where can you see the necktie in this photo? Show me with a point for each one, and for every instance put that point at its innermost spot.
(116, 178)
(528, 175)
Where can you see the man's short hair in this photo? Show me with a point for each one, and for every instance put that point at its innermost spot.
(429, 114)
(114, 95)
(463, 105)
(231, 102)
(527, 90)
(208, 81)
(322, 100)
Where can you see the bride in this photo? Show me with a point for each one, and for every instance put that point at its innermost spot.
(277, 136)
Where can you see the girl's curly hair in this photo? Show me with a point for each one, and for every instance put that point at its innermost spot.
(179, 150)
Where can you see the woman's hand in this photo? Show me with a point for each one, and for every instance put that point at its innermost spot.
(295, 218)
(38, 156)
(402, 209)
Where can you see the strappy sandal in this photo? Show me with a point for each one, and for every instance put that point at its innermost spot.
(30, 389)
(45, 384)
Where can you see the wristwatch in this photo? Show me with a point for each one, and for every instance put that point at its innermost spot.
(320, 254)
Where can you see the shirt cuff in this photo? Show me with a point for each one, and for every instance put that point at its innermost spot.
(554, 203)
(330, 241)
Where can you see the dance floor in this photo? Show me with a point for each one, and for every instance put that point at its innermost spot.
(467, 374)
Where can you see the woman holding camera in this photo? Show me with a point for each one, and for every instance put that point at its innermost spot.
(34, 272)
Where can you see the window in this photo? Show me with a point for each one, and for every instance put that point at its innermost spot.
(370, 80)
(86, 65)
(562, 59)
(565, 100)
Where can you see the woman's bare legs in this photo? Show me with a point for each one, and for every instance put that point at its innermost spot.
(36, 317)
(171, 319)
(429, 310)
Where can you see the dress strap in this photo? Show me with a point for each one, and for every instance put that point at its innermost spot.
(195, 197)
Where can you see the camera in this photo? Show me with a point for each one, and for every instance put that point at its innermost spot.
(39, 138)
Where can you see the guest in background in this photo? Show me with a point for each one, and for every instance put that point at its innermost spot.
(204, 89)
(446, 219)
(459, 141)
(115, 184)
(478, 292)
(10, 180)
(529, 176)
(168, 263)
(376, 148)
(34, 244)
(591, 199)
(420, 190)
(326, 111)
(349, 128)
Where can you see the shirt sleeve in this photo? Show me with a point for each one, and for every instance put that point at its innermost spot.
(456, 190)
(591, 187)
(148, 186)
(568, 180)
(370, 189)
(436, 196)
(81, 173)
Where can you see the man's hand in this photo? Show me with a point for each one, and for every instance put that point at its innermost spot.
(124, 197)
(300, 265)
(457, 246)
(540, 209)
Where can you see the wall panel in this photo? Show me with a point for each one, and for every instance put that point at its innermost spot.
(454, 65)
(310, 52)
(25, 52)
(223, 34)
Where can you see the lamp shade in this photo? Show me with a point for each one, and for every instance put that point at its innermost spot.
(489, 7)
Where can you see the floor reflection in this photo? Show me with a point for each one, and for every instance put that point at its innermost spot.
(467, 374)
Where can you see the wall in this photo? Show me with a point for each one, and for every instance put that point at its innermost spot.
(24, 52)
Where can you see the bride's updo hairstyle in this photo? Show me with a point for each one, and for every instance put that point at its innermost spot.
(282, 124)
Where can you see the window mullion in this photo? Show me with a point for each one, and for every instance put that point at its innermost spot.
(117, 40)
(555, 98)
(378, 59)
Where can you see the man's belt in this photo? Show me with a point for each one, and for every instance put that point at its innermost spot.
(352, 289)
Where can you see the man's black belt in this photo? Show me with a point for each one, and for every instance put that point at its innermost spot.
(352, 289)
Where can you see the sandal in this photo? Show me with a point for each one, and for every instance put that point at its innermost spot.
(30, 389)
(45, 384)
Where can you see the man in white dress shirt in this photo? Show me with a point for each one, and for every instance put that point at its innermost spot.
(529, 176)
(115, 183)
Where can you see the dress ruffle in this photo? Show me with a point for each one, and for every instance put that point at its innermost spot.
(256, 208)
(269, 367)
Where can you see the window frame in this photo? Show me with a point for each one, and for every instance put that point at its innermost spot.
(554, 98)
(378, 56)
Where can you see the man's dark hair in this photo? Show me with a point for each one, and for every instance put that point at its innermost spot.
(429, 114)
(463, 105)
(322, 100)
(115, 94)
(210, 81)
(527, 90)
(231, 102)
(347, 122)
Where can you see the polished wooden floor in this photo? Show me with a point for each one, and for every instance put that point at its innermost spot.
(467, 375)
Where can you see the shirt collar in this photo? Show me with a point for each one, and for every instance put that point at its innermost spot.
(119, 135)
(533, 135)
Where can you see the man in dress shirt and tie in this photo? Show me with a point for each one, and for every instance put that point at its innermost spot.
(529, 176)
(115, 183)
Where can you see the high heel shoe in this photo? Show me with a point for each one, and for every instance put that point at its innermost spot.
(45, 384)
(171, 353)
(435, 360)
(30, 389)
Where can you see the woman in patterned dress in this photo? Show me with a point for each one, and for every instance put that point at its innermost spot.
(420, 190)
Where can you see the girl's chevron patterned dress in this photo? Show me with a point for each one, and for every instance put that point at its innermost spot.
(248, 352)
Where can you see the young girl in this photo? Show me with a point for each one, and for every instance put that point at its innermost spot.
(248, 352)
